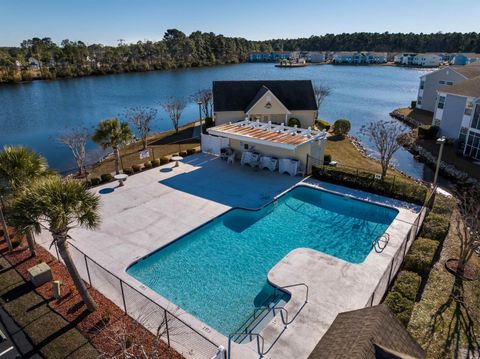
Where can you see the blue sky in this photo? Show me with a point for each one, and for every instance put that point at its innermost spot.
(106, 21)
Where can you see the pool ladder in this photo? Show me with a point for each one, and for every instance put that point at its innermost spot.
(381, 242)
(284, 315)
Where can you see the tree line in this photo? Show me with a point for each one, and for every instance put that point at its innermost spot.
(177, 50)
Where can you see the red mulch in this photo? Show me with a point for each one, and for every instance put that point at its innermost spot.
(468, 272)
(71, 307)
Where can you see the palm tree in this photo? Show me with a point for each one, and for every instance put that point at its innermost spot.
(58, 204)
(113, 133)
(18, 167)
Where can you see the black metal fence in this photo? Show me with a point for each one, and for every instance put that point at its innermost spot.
(178, 334)
(397, 260)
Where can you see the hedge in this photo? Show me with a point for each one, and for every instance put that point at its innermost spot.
(435, 227)
(427, 132)
(106, 177)
(401, 306)
(323, 125)
(147, 165)
(136, 168)
(292, 122)
(390, 186)
(156, 162)
(164, 160)
(191, 151)
(128, 171)
(420, 256)
(407, 284)
(95, 181)
(443, 205)
(341, 127)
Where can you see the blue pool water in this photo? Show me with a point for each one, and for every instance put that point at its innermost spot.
(218, 273)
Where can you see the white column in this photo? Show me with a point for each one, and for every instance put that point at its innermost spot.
(286, 119)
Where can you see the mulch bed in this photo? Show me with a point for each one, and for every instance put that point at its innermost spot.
(98, 327)
(468, 272)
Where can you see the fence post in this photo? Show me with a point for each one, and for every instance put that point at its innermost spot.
(88, 270)
(123, 296)
(166, 326)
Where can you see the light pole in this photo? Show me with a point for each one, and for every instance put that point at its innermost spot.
(440, 141)
(199, 103)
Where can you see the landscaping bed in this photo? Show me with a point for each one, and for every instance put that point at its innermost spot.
(98, 326)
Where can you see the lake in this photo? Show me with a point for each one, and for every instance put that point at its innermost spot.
(34, 114)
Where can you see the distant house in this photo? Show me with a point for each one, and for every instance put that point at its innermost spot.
(427, 60)
(432, 82)
(34, 64)
(269, 56)
(358, 58)
(457, 114)
(368, 333)
(275, 101)
(405, 59)
(465, 59)
(315, 56)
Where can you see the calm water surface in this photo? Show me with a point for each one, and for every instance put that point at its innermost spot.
(34, 114)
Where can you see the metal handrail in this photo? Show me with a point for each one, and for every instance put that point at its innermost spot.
(255, 311)
(257, 335)
(294, 285)
(376, 242)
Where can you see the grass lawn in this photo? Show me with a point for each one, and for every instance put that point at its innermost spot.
(450, 156)
(422, 116)
(161, 144)
(346, 154)
(50, 334)
(445, 327)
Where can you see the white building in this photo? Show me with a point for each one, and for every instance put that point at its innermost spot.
(457, 114)
(430, 83)
(357, 58)
(315, 56)
(427, 60)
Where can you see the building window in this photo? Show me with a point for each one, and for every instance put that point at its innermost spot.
(441, 101)
(441, 82)
(472, 147)
(468, 111)
(476, 118)
(436, 122)
(449, 83)
(422, 84)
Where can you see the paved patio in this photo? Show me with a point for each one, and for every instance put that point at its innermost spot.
(157, 206)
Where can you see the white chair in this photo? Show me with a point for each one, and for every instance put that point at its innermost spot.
(231, 158)
(287, 165)
(271, 163)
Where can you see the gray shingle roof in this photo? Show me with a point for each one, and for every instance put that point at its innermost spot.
(366, 334)
(469, 88)
(238, 95)
(469, 71)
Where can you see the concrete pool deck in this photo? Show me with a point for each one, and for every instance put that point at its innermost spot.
(158, 206)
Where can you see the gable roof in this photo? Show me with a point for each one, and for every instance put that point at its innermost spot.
(364, 334)
(239, 95)
(468, 71)
(263, 90)
(469, 88)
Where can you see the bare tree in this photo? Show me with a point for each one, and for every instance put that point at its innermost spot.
(384, 135)
(468, 225)
(141, 117)
(76, 140)
(174, 108)
(205, 99)
(321, 92)
(127, 342)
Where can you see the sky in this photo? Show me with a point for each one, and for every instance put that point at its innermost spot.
(107, 21)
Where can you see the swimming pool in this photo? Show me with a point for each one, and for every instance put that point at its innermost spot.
(218, 272)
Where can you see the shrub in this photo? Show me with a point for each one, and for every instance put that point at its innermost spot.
(413, 104)
(327, 159)
(191, 151)
(164, 160)
(128, 171)
(427, 132)
(407, 284)
(156, 162)
(183, 153)
(341, 127)
(292, 122)
(443, 205)
(323, 125)
(136, 168)
(420, 256)
(95, 181)
(147, 165)
(390, 186)
(435, 227)
(401, 306)
(106, 177)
